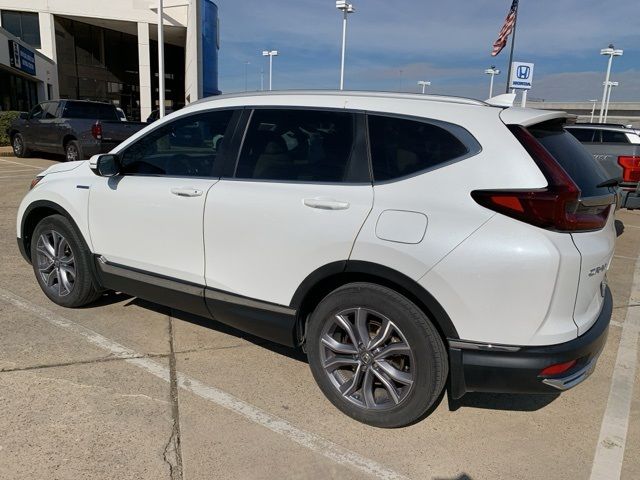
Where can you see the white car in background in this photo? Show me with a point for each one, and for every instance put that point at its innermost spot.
(408, 243)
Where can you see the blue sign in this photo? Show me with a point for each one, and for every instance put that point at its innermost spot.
(210, 46)
(523, 72)
(22, 58)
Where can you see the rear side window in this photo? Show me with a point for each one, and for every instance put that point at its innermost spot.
(583, 134)
(401, 147)
(609, 136)
(88, 110)
(298, 145)
(572, 156)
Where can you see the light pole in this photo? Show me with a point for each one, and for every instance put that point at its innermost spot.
(493, 71)
(270, 54)
(246, 67)
(424, 85)
(160, 62)
(612, 52)
(593, 108)
(346, 8)
(606, 108)
(261, 80)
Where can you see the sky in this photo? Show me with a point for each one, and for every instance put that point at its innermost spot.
(393, 44)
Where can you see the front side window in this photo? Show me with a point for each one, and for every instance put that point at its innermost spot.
(50, 110)
(188, 146)
(23, 25)
(37, 112)
(401, 147)
(298, 145)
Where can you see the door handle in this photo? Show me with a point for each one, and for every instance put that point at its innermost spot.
(326, 203)
(186, 192)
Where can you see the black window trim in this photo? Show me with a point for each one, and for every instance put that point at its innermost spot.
(470, 142)
(360, 143)
(217, 173)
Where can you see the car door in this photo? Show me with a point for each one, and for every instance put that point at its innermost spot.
(300, 192)
(32, 127)
(148, 219)
(48, 128)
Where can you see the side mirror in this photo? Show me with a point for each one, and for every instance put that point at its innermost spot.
(107, 165)
(23, 115)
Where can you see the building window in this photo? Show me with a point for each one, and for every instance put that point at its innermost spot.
(23, 25)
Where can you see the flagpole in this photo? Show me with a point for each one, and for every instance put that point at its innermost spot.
(513, 41)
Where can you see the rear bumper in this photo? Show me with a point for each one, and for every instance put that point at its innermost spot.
(631, 199)
(511, 369)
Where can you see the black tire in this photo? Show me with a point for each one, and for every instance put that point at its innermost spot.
(84, 288)
(20, 149)
(72, 151)
(426, 364)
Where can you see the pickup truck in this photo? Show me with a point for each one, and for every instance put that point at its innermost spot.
(76, 128)
(617, 149)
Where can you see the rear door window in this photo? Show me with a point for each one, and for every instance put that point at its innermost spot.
(301, 145)
(610, 136)
(402, 147)
(585, 135)
(572, 156)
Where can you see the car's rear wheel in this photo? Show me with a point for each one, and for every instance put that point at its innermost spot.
(72, 151)
(20, 149)
(376, 355)
(61, 263)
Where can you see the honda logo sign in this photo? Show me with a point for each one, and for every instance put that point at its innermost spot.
(521, 75)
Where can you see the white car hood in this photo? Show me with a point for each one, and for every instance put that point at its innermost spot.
(63, 167)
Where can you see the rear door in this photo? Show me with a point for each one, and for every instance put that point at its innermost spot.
(596, 248)
(295, 202)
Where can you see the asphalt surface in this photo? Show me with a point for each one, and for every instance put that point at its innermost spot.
(125, 389)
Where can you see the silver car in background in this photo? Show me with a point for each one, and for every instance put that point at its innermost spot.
(617, 149)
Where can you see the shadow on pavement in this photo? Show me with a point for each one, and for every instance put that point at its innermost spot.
(504, 401)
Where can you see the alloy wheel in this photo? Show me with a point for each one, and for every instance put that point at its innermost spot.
(367, 358)
(17, 145)
(56, 263)
(72, 153)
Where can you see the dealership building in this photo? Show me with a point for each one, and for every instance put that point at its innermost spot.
(107, 51)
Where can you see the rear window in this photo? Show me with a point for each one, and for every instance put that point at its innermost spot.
(92, 111)
(572, 156)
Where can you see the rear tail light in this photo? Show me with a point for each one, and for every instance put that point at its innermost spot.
(556, 207)
(558, 368)
(96, 131)
(630, 168)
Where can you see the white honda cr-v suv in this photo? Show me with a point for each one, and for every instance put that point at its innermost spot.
(406, 242)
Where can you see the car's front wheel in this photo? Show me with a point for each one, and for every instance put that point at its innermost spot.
(376, 355)
(61, 263)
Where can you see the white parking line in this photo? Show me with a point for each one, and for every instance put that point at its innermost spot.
(4, 160)
(607, 463)
(309, 440)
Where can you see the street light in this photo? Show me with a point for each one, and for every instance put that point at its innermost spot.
(493, 71)
(346, 8)
(160, 61)
(606, 109)
(593, 108)
(424, 85)
(612, 52)
(270, 54)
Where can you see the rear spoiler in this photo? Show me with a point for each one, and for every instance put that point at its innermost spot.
(529, 116)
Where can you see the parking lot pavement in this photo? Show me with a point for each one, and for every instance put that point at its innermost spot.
(129, 389)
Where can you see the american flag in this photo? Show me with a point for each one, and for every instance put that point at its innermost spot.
(506, 30)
